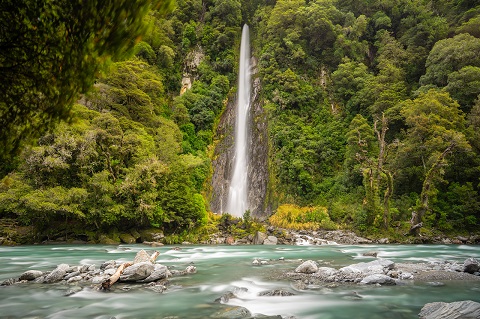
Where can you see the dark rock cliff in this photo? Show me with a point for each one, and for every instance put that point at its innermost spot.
(222, 161)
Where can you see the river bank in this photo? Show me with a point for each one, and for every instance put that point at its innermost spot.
(227, 231)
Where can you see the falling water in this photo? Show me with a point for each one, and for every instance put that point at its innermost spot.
(237, 197)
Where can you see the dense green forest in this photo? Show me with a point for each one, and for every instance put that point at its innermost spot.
(373, 111)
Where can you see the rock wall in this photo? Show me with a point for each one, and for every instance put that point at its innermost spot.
(222, 161)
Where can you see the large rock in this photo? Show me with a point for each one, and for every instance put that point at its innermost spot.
(31, 275)
(141, 256)
(159, 272)
(455, 310)
(259, 238)
(127, 238)
(57, 274)
(234, 312)
(139, 271)
(307, 267)
(378, 279)
(471, 266)
(270, 240)
(379, 266)
(152, 235)
(326, 273)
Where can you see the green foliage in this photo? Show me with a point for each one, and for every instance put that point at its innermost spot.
(51, 52)
(294, 217)
(352, 122)
(451, 55)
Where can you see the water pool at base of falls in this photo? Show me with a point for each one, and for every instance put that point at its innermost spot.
(225, 268)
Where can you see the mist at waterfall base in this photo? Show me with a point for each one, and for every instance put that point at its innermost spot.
(221, 269)
(237, 202)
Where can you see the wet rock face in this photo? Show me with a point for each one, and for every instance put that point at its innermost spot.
(222, 161)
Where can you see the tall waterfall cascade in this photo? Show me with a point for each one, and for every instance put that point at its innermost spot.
(237, 202)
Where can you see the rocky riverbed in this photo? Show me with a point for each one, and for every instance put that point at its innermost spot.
(142, 270)
(147, 274)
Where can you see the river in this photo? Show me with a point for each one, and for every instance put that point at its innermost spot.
(221, 269)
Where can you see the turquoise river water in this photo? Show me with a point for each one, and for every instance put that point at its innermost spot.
(221, 269)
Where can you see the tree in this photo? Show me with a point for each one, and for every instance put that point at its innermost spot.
(464, 85)
(435, 131)
(450, 55)
(51, 51)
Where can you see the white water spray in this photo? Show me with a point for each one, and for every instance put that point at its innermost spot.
(237, 196)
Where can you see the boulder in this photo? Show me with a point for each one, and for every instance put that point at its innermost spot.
(471, 266)
(378, 266)
(142, 256)
(31, 275)
(57, 274)
(111, 264)
(326, 273)
(159, 272)
(233, 313)
(276, 292)
(127, 238)
(378, 279)
(226, 297)
(454, 310)
(259, 238)
(370, 254)
(191, 269)
(307, 267)
(152, 235)
(153, 243)
(229, 240)
(137, 271)
(270, 240)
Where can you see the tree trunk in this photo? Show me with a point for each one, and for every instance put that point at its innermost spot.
(113, 279)
(426, 191)
(386, 199)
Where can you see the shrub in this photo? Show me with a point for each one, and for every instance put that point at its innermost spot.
(295, 217)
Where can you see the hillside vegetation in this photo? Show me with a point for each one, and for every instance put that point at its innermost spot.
(373, 114)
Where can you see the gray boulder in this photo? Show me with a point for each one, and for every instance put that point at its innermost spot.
(307, 267)
(454, 310)
(471, 266)
(159, 272)
(57, 274)
(326, 273)
(378, 279)
(142, 256)
(270, 240)
(379, 266)
(138, 271)
(108, 265)
(31, 275)
(259, 238)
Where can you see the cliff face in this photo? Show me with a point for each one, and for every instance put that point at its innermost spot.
(222, 161)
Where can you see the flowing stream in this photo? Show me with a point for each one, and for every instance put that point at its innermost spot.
(237, 196)
(221, 269)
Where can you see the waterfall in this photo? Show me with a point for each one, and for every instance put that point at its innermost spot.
(237, 202)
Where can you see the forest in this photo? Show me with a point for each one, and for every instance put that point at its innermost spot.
(373, 112)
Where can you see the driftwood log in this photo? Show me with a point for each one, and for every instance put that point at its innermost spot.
(113, 279)
(108, 283)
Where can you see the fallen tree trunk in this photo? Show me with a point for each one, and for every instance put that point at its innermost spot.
(113, 279)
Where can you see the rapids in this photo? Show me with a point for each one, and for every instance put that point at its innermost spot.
(222, 269)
